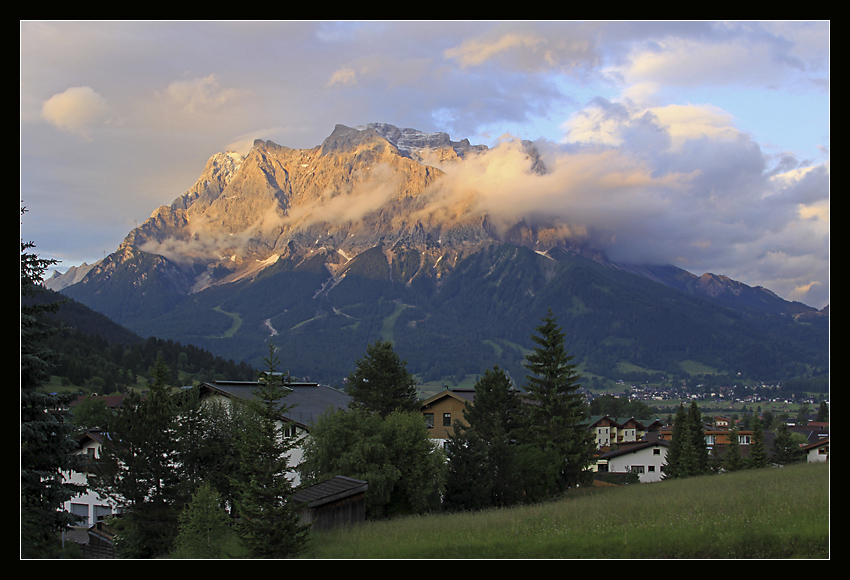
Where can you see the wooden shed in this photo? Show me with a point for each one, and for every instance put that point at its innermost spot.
(337, 501)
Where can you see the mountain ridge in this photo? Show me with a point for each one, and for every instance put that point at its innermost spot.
(360, 231)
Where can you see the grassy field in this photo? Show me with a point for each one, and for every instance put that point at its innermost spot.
(766, 513)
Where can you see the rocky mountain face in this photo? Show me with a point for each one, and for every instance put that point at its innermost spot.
(359, 239)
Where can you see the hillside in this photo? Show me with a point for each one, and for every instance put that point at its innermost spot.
(761, 513)
(90, 351)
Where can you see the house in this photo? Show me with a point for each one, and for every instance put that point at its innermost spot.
(308, 402)
(610, 431)
(818, 451)
(645, 458)
(337, 501)
(721, 422)
(443, 409)
(89, 507)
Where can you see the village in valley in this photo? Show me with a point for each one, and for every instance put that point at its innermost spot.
(628, 449)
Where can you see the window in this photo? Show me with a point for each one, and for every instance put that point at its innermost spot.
(656, 451)
(650, 468)
(429, 420)
(447, 419)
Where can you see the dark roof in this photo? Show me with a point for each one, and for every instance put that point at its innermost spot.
(635, 447)
(328, 491)
(620, 421)
(308, 400)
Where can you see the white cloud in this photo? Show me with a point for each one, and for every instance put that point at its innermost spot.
(77, 110)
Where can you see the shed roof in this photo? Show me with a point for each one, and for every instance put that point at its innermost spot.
(334, 489)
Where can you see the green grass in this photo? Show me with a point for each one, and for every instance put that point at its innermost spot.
(766, 513)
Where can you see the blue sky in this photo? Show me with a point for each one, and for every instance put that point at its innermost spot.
(724, 126)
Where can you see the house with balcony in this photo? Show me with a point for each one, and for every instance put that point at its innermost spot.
(611, 431)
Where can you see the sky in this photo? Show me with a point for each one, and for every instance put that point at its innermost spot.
(702, 144)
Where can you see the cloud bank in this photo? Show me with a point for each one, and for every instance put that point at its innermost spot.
(702, 142)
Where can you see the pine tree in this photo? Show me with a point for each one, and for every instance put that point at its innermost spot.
(381, 383)
(557, 411)
(269, 523)
(46, 437)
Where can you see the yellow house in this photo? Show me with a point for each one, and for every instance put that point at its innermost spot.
(443, 409)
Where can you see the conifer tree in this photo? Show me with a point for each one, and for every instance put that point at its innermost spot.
(675, 466)
(483, 452)
(381, 383)
(557, 412)
(732, 460)
(139, 468)
(699, 447)
(46, 436)
(785, 449)
(688, 453)
(269, 523)
(204, 527)
(758, 456)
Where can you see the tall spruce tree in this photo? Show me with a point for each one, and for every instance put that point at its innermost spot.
(557, 411)
(46, 437)
(269, 523)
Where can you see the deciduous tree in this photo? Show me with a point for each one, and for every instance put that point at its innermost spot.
(404, 470)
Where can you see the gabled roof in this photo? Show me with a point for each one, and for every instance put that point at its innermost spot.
(308, 400)
(817, 444)
(635, 447)
(620, 421)
(463, 395)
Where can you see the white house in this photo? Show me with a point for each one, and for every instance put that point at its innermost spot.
(89, 506)
(308, 402)
(817, 452)
(646, 458)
